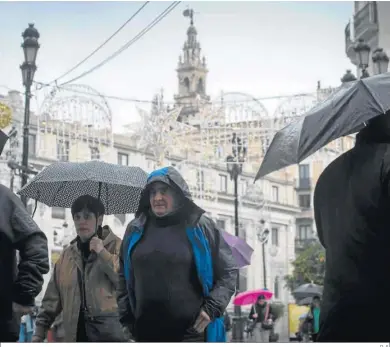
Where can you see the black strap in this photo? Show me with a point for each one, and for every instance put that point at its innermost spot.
(82, 290)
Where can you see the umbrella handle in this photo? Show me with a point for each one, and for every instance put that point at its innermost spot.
(99, 194)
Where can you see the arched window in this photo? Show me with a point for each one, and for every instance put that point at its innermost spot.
(187, 84)
(200, 88)
(276, 288)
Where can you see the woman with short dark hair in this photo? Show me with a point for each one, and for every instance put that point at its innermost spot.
(84, 281)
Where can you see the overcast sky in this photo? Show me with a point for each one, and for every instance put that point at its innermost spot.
(260, 48)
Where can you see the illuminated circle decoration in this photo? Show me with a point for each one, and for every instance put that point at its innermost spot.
(5, 115)
(81, 120)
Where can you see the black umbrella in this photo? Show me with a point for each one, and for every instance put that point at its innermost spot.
(345, 112)
(307, 290)
(118, 187)
(306, 301)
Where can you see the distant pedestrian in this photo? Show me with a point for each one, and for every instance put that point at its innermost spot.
(313, 318)
(177, 274)
(261, 313)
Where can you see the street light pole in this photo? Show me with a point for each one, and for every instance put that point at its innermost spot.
(234, 167)
(30, 47)
(264, 267)
(263, 238)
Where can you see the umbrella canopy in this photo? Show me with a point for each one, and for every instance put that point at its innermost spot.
(242, 252)
(59, 185)
(305, 302)
(307, 290)
(344, 112)
(250, 297)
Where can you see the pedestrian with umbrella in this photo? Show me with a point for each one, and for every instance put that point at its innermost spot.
(307, 290)
(84, 279)
(351, 205)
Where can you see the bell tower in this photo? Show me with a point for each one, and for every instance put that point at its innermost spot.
(192, 76)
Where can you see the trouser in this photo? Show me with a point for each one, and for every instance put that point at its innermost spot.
(260, 334)
(314, 337)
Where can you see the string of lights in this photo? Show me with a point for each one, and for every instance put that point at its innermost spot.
(40, 85)
(142, 33)
(102, 45)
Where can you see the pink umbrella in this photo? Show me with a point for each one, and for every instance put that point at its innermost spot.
(250, 297)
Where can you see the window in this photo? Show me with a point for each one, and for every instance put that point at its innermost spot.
(304, 232)
(243, 187)
(123, 159)
(200, 179)
(32, 149)
(305, 200)
(58, 213)
(304, 171)
(304, 176)
(95, 153)
(275, 236)
(63, 150)
(276, 288)
(223, 183)
(275, 193)
(221, 224)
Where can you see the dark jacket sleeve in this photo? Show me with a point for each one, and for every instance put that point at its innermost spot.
(225, 273)
(125, 313)
(31, 243)
(252, 312)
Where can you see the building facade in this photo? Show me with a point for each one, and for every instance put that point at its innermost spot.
(369, 22)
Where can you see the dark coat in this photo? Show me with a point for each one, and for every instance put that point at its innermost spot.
(352, 213)
(225, 269)
(21, 284)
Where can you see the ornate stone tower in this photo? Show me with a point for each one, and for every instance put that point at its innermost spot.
(192, 74)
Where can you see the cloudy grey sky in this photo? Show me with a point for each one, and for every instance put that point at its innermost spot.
(260, 48)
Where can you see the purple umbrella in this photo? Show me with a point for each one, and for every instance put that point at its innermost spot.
(242, 252)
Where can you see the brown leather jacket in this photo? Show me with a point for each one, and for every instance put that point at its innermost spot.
(63, 291)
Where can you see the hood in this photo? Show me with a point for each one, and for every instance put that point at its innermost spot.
(376, 131)
(170, 176)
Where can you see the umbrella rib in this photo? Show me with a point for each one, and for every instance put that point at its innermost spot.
(372, 95)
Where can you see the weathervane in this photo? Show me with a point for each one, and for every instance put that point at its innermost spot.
(189, 13)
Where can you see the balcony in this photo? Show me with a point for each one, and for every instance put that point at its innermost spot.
(306, 214)
(365, 26)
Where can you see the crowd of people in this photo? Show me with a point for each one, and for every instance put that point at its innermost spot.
(173, 275)
(170, 279)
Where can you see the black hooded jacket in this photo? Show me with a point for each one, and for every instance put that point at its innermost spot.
(22, 283)
(225, 270)
(352, 213)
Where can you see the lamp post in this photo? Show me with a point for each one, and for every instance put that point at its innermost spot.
(263, 239)
(363, 50)
(380, 61)
(234, 167)
(30, 47)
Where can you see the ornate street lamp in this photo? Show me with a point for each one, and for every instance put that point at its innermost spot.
(348, 77)
(263, 239)
(380, 60)
(234, 167)
(30, 47)
(363, 50)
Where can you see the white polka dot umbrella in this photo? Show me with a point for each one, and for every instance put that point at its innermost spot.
(59, 185)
